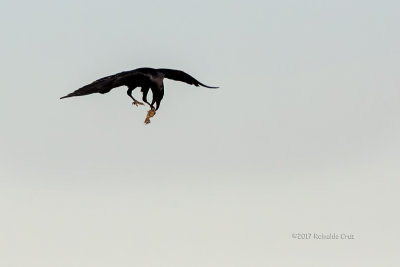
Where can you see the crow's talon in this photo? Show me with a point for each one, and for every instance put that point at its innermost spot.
(137, 103)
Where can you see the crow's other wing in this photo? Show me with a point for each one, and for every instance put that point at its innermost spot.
(104, 85)
(181, 76)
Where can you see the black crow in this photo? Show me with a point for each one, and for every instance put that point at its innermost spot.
(146, 78)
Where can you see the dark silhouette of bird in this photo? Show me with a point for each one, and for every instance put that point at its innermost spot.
(146, 78)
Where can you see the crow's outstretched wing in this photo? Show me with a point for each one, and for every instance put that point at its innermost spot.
(181, 76)
(104, 85)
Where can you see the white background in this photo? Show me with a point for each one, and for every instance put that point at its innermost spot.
(301, 137)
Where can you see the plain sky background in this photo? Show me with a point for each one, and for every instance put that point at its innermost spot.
(302, 137)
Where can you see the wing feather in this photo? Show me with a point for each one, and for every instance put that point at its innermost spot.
(181, 76)
(104, 85)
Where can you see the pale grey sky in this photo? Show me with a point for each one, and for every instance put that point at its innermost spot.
(302, 137)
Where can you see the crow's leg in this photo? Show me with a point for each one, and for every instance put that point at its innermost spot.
(135, 102)
(145, 91)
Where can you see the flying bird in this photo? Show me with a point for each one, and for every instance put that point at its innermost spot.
(146, 78)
